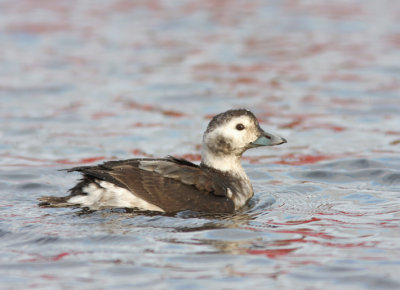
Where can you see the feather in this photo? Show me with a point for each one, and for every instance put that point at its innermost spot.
(171, 184)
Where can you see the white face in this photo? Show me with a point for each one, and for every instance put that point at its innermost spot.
(232, 137)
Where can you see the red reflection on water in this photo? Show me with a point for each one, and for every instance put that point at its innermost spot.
(307, 232)
(152, 108)
(331, 10)
(297, 119)
(293, 124)
(332, 127)
(138, 152)
(39, 28)
(101, 115)
(342, 246)
(126, 5)
(59, 256)
(394, 40)
(190, 157)
(391, 85)
(254, 160)
(392, 132)
(343, 77)
(299, 123)
(296, 222)
(48, 277)
(172, 113)
(41, 258)
(47, 162)
(28, 158)
(245, 80)
(271, 253)
(147, 125)
(293, 159)
(80, 161)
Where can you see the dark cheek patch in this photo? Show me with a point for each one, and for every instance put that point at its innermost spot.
(222, 145)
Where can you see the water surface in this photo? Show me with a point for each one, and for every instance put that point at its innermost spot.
(87, 81)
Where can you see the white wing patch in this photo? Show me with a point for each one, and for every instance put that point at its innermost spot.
(103, 194)
(229, 193)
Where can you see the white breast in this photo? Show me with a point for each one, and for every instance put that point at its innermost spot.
(103, 194)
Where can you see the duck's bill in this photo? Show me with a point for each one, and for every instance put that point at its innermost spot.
(267, 139)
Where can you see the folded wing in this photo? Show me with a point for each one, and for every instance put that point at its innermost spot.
(170, 183)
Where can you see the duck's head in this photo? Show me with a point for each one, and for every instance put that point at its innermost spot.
(231, 133)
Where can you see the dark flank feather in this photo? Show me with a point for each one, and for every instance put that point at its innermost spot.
(170, 183)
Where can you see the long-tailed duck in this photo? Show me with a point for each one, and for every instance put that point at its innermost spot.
(219, 184)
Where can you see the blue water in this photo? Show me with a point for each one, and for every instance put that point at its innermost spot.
(89, 81)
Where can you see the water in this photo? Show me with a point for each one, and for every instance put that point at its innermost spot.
(87, 81)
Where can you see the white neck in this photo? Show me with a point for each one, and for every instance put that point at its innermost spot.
(224, 163)
(230, 164)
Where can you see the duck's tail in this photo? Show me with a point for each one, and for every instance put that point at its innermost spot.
(53, 201)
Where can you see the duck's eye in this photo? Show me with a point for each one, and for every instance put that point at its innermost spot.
(240, 127)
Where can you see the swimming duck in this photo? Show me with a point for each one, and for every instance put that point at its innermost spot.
(218, 185)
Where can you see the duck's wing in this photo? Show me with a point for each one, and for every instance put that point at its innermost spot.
(170, 183)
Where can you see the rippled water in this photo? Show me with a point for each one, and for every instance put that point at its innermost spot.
(87, 81)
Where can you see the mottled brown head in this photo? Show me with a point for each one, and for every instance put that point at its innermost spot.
(222, 118)
(235, 131)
